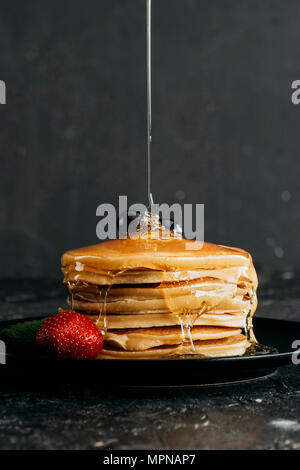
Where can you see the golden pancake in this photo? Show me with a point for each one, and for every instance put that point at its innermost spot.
(157, 319)
(164, 255)
(192, 303)
(139, 339)
(232, 346)
(79, 272)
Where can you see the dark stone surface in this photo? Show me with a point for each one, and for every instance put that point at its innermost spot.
(73, 131)
(264, 414)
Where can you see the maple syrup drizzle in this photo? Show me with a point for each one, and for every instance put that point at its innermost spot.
(104, 293)
(71, 286)
(149, 100)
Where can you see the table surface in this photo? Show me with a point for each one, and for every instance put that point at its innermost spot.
(263, 414)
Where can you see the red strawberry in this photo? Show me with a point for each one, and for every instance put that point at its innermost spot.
(70, 335)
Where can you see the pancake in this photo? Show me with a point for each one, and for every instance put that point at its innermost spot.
(87, 274)
(172, 254)
(232, 346)
(135, 339)
(192, 302)
(114, 322)
(160, 297)
(153, 320)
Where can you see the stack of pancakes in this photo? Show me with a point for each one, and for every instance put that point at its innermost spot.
(163, 297)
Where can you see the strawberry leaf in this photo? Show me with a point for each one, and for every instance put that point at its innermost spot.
(21, 336)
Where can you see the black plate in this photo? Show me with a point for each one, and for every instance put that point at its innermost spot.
(161, 372)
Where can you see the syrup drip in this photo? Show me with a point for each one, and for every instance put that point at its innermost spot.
(187, 321)
(104, 293)
(186, 335)
(71, 286)
(72, 300)
(246, 328)
(101, 322)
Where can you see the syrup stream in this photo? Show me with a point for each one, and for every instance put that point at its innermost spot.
(149, 103)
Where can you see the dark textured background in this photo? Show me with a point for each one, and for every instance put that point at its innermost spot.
(73, 130)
